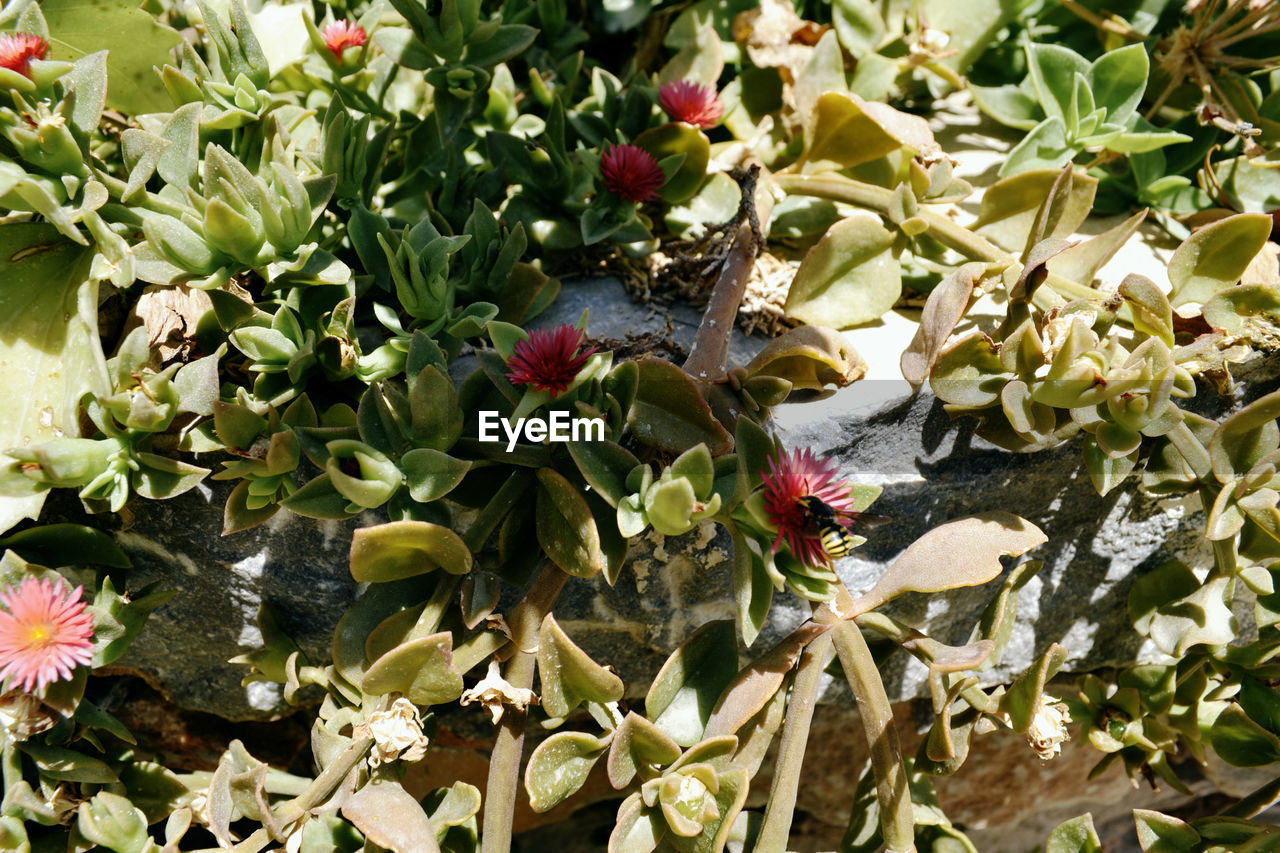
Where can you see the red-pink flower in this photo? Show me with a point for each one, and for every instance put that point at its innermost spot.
(631, 172)
(45, 633)
(794, 476)
(18, 49)
(549, 360)
(691, 102)
(341, 35)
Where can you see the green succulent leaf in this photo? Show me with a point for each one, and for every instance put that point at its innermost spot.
(1160, 833)
(849, 278)
(51, 328)
(136, 44)
(566, 527)
(1216, 256)
(568, 675)
(432, 474)
(113, 822)
(1177, 611)
(637, 742)
(670, 413)
(401, 549)
(559, 767)
(421, 669)
(1076, 835)
(960, 553)
(391, 817)
(686, 689)
(68, 765)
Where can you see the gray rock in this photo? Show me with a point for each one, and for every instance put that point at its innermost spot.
(297, 564)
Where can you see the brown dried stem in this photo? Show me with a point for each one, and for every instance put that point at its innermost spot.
(508, 747)
(709, 355)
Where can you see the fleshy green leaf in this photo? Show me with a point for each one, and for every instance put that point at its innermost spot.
(1074, 836)
(849, 278)
(568, 674)
(401, 549)
(566, 528)
(686, 689)
(421, 669)
(1216, 256)
(136, 42)
(391, 818)
(50, 327)
(960, 553)
(559, 767)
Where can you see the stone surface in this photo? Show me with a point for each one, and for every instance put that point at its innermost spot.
(297, 564)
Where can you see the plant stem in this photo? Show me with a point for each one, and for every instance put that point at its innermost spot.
(496, 509)
(896, 822)
(795, 736)
(433, 612)
(323, 785)
(1109, 24)
(329, 778)
(477, 648)
(504, 761)
(839, 188)
(710, 351)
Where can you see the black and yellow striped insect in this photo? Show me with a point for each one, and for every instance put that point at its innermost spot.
(828, 521)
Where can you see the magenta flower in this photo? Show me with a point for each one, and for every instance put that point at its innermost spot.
(631, 172)
(45, 633)
(794, 476)
(549, 360)
(691, 102)
(18, 49)
(341, 35)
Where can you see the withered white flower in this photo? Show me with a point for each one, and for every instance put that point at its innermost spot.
(1057, 326)
(23, 715)
(396, 732)
(495, 693)
(1048, 729)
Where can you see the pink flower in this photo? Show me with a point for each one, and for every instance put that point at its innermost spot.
(549, 360)
(18, 49)
(631, 172)
(798, 475)
(341, 35)
(690, 102)
(45, 633)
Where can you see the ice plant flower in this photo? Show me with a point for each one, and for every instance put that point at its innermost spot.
(45, 633)
(18, 49)
(691, 102)
(631, 173)
(549, 359)
(495, 693)
(1048, 729)
(341, 35)
(397, 734)
(795, 475)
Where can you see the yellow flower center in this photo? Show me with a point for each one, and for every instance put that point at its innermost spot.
(40, 634)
